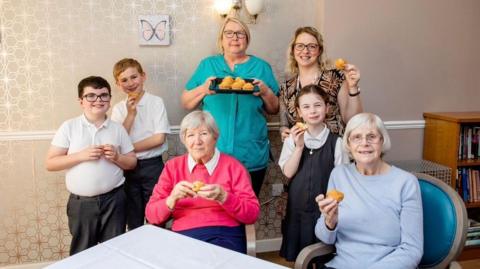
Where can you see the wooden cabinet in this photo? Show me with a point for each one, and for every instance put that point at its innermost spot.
(441, 141)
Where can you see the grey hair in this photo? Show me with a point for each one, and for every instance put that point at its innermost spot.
(367, 119)
(194, 120)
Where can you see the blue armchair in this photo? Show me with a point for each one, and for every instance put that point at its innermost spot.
(444, 226)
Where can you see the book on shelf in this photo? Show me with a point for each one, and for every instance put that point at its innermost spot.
(476, 142)
(469, 142)
(465, 185)
(464, 144)
(473, 223)
(460, 143)
(468, 184)
(473, 234)
(473, 229)
(473, 183)
(476, 175)
(472, 242)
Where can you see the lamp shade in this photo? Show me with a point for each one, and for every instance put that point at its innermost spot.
(254, 6)
(223, 6)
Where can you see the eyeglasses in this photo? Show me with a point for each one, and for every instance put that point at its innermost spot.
(230, 34)
(91, 97)
(301, 46)
(371, 139)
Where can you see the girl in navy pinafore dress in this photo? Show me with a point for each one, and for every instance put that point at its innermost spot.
(308, 156)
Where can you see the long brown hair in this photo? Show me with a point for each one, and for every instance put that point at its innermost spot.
(292, 65)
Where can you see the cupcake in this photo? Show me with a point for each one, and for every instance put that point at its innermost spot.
(133, 95)
(248, 86)
(301, 125)
(336, 195)
(197, 185)
(228, 80)
(224, 86)
(237, 85)
(239, 79)
(340, 63)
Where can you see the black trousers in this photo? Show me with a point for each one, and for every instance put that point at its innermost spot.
(257, 178)
(139, 184)
(92, 220)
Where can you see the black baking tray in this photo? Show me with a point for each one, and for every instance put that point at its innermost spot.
(217, 81)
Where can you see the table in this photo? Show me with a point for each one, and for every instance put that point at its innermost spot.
(153, 247)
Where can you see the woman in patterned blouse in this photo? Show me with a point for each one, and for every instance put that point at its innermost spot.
(306, 64)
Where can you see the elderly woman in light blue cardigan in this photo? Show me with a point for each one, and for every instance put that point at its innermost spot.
(379, 223)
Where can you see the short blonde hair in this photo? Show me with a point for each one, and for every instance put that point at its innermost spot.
(367, 119)
(194, 120)
(237, 21)
(292, 65)
(124, 64)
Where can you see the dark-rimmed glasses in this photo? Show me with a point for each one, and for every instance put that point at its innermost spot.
(301, 46)
(230, 34)
(91, 97)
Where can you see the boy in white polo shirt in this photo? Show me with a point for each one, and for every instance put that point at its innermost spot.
(145, 118)
(93, 150)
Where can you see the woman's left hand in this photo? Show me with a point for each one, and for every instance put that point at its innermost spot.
(352, 75)
(213, 192)
(262, 86)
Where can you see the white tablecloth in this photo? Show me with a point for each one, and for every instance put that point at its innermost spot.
(153, 247)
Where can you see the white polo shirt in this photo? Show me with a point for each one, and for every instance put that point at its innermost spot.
(92, 178)
(151, 119)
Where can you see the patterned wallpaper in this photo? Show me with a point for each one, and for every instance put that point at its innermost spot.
(33, 221)
(47, 46)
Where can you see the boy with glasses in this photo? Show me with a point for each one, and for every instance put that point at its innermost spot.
(94, 150)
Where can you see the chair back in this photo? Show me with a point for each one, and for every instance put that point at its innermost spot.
(444, 222)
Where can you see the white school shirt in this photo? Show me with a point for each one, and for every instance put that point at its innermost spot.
(91, 178)
(151, 119)
(312, 142)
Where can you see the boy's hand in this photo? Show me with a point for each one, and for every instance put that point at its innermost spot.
(110, 152)
(132, 105)
(91, 153)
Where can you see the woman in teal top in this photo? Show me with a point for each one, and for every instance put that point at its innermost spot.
(240, 117)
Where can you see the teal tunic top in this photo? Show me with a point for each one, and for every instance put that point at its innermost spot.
(240, 117)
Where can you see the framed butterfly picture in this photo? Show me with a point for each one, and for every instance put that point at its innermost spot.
(154, 30)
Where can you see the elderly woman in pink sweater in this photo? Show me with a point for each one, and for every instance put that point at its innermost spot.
(215, 212)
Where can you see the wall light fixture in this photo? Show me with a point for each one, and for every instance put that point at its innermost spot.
(234, 7)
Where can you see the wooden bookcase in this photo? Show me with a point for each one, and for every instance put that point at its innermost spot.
(441, 143)
(441, 140)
